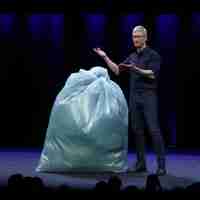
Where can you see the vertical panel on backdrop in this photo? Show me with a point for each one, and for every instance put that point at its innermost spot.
(7, 36)
(191, 87)
(93, 35)
(195, 33)
(47, 36)
(46, 64)
(166, 34)
(7, 61)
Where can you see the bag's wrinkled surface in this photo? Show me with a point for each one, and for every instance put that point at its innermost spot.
(88, 126)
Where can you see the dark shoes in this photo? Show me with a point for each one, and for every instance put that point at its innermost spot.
(140, 167)
(161, 172)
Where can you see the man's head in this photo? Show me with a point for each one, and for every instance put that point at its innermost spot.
(139, 36)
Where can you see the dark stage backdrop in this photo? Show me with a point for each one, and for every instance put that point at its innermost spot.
(41, 46)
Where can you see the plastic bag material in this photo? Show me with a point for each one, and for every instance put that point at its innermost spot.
(88, 126)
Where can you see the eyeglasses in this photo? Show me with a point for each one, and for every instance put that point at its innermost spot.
(137, 36)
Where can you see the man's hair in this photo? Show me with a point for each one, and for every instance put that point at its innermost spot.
(140, 29)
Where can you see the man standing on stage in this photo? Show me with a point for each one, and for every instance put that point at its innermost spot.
(143, 66)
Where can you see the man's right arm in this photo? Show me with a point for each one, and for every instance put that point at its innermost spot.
(113, 66)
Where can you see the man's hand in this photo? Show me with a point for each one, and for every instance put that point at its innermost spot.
(113, 66)
(147, 73)
(100, 52)
(124, 67)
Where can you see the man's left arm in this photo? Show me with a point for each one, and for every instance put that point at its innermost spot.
(153, 67)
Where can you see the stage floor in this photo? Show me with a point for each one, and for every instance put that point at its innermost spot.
(183, 170)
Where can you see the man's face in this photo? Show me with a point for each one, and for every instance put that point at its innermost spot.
(139, 39)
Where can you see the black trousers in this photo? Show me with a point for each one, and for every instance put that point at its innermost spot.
(144, 111)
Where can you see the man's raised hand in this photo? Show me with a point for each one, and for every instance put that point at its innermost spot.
(100, 52)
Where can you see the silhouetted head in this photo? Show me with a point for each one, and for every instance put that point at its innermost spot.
(114, 183)
(153, 183)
